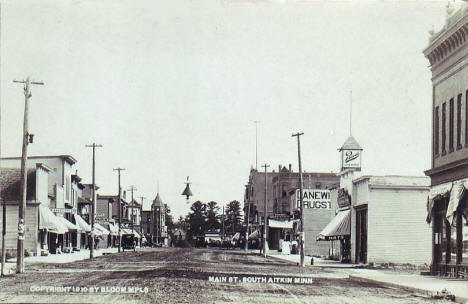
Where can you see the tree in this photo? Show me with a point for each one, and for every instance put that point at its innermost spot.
(169, 219)
(196, 219)
(233, 216)
(212, 216)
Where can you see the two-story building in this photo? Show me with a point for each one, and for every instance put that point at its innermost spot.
(282, 211)
(35, 236)
(62, 194)
(447, 53)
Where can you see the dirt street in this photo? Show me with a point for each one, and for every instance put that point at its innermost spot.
(182, 275)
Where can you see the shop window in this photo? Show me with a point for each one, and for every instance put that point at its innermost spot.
(466, 118)
(451, 121)
(444, 127)
(465, 233)
(459, 120)
(444, 241)
(436, 131)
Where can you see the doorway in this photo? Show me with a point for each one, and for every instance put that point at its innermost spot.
(361, 235)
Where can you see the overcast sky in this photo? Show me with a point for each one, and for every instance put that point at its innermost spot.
(172, 88)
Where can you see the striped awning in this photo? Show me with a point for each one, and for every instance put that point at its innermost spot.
(49, 221)
(68, 224)
(456, 194)
(80, 222)
(103, 230)
(338, 228)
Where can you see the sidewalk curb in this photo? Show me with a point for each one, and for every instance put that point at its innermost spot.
(281, 260)
(317, 266)
(425, 292)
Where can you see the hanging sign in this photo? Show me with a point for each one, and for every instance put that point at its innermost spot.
(351, 158)
(344, 199)
(314, 198)
(63, 210)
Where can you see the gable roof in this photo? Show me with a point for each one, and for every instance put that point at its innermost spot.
(10, 179)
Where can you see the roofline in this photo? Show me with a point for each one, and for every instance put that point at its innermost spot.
(401, 187)
(446, 32)
(46, 168)
(70, 159)
(377, 186)
(107, 196)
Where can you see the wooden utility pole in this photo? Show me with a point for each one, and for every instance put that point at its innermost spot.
(223, 222)
(301, 236)
(120, 207)
(141, 217)
(93, 207)
(248, 218)
(132, 189)
(2, 272)
(27, 138)
(265, 215)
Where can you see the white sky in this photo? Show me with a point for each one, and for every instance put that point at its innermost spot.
(172, 88)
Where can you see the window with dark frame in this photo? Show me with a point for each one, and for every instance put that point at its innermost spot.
(436, 132)
(459, 119)
(444, 127)
(451, 121)
(466, 118)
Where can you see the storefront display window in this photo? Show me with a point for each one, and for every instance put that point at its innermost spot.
(465, 234)
(444, 241)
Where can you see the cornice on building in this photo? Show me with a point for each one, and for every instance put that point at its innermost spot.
(451, 38)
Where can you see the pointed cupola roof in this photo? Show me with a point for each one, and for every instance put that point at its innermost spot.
(187, 192)
(158, 201)
(350, 144)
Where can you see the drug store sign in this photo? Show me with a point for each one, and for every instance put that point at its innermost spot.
(314, 199)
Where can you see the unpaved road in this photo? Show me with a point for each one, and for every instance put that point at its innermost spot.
(182, 275)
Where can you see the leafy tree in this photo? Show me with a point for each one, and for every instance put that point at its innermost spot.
(196, 219)
(233, 217)
(212, 216)
(169, 219)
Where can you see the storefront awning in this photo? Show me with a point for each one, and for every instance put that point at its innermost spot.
(456, 194)
(114, 229)
(49, 221)
(339, 227)
(103, 230)
(80, 222)
(236, 236)
(435, 193)
(125, 231)
(96, 231)
(68, 224)
(280, 224)
(254, 235)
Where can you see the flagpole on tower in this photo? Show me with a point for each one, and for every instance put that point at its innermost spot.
(350, 112)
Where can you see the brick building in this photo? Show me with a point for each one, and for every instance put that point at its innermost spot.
(281, 209)
(447, 53)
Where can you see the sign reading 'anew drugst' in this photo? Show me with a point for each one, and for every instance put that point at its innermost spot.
(314, 198)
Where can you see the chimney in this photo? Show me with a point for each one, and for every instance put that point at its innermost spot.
(290, 168)
(279, 168)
